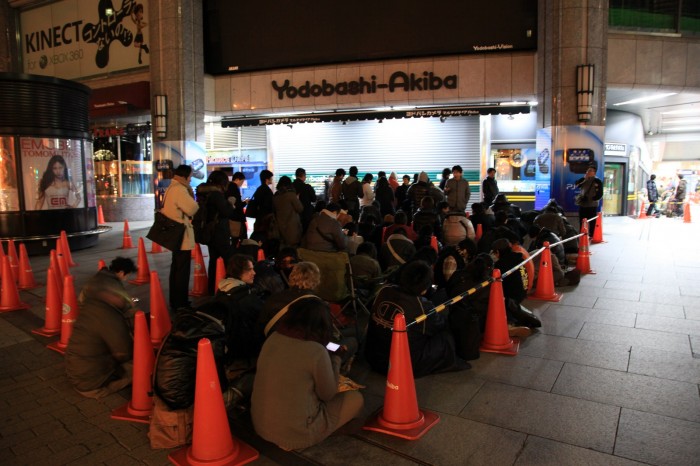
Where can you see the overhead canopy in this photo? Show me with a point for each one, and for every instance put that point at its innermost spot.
(352, 115)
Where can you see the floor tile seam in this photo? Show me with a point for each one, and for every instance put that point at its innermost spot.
(572, 362)
(636, 328)
(634, 373)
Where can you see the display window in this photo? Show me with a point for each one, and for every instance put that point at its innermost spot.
(52, 171)
(9, 200)
(122, 162)
(516, 169)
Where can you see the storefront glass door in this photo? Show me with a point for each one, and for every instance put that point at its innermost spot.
(613, 188)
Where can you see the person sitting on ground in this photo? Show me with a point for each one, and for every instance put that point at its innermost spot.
(285, 260)
(365, 266)
(100, 350)
(243, 305)
(325, 233)
(480, 216)
(430, 342)
(474, 306)
(501, 203)
(453, 258)
(455, 228)
(515, 285)
(295, 401)
(551, 220)
(397, 250)
(427, 215)
(400, 221)
(425, 238)
(354, 239)
(539, 235)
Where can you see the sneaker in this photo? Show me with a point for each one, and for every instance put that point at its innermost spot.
(519, 331)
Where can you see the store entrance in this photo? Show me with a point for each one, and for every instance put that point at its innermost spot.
(613, 188)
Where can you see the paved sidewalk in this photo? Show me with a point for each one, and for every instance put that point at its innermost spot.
(611, 378)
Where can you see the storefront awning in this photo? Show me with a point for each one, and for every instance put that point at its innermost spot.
(353, 115)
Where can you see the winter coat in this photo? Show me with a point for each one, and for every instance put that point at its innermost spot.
(455, 228)
(490, 189)
(180, 206)
(233, 191)
(263, 201)
(592, 189)
(429, 342)
(352, 189)
(325, 234)
(218, 208)
(552, 221)
(515, 284)
(336, 191)
(457, 194)
(384, 195)
(680, 191)
(288, 210)
(427, 217)
(403, 248)
(307, 197)
(101, 339)
(367, 194)
(652, 192)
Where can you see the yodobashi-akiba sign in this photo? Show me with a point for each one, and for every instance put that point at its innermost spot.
(398, 81)
(78, 38)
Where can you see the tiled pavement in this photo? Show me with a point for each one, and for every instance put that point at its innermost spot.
(611, 378)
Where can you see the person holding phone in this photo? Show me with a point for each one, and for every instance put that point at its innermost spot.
(295, 402)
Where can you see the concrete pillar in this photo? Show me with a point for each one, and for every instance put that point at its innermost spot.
(177, 66)
(571, 33)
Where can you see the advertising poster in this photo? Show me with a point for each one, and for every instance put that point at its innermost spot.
(52, 173)
(9, 200)
(78, 38)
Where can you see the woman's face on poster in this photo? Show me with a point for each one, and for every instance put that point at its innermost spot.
(58, 170)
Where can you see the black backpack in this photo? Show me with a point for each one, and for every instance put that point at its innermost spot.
(202, 225)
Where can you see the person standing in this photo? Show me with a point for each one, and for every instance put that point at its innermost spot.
(367, 191)
(352, 193)
(237, 224)
(307, 196)
(336, 189)
(263, 207)
(591, 192)
(652, 195)
(288, 210)
(457, 190)
(490, 186)
(679, 195)
(401, 195)
(179, 205)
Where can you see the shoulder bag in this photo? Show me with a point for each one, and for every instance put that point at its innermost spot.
(166, 231)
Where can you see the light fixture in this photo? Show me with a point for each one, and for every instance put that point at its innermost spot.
(161, 115)
(585, 86)
(443, 119)
(511, 117)
(646, 99)
(109, 12)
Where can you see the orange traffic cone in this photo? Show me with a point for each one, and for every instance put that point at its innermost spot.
(201, 283)
(686, 213)
(434, 243)
(642, 213)
(26, 276)
(583, 263)
(62, 265)
(57, 272)
(65, 250)
(126, 239)
(261, 254)
(400, 415)
(545, 278)
(100, 216)
(101, 264)
(143, 274)
(160, 318)
(14, 261)
(9, 296)
(156, 248)
(212, 442)
(496, 338)
(220, 271)
(140, 407)
(479, 232)
(598, 233)
(52, 319)
(69, 314)
(2, 257)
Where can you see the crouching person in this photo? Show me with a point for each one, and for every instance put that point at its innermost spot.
(100, 351)
(296, 402)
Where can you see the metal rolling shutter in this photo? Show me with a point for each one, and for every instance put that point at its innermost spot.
(405, 146)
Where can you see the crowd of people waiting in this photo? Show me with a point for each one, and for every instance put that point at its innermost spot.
(279, 348)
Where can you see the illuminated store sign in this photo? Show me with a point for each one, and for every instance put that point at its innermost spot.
(398, 81)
